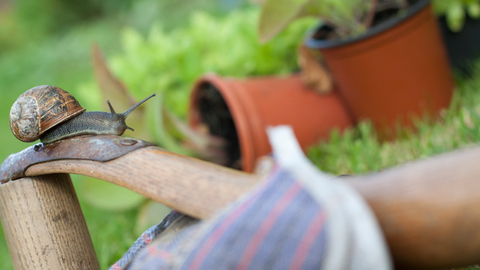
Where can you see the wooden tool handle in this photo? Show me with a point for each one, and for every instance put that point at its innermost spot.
(44, 225)
(189, 185)
(429, 210)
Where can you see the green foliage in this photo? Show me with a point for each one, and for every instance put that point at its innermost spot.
(169, 62)
(110, 197)
(63, 61)
(346, 15)
(112, 232)
(157, 125)
(38, 18)
(456, 10)
(4, 254)
(173, 12)
(11, 34)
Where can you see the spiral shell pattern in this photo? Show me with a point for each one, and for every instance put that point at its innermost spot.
(39, 109)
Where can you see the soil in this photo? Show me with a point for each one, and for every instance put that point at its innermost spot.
(216, 115)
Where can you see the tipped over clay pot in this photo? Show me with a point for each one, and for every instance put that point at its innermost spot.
(240, 110)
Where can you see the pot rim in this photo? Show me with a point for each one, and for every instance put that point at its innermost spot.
(325, 44)
(237, 110)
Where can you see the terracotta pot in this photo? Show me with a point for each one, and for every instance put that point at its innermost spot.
(255, 104)
(395, 71)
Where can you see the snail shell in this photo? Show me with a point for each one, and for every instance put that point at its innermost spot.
(39, 109)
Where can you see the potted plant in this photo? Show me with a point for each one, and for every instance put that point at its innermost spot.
(240, 111)
(387, 58)
(460, 25)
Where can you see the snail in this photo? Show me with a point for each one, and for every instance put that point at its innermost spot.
(50, 114)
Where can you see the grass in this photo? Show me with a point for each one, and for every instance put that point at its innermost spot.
(112, 232)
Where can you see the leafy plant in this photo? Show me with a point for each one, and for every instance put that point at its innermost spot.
(348, 17)
(456, 10)
(169, 62)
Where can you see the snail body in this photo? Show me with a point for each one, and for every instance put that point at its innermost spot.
(95, 123)
(50, 114)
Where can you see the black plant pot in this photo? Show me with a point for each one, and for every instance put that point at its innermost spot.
(462, 47)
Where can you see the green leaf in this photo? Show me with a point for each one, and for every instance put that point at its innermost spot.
(115, 91)
(440, 7)
(276, 14)
(455, 16)
(111, 87)
(473, 9)
(158, 129)
(131, 40)
(108, 196)
(345, 15)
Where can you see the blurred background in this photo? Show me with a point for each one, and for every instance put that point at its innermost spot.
(151, 46)
(163, 47)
